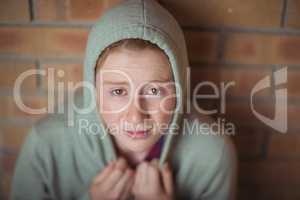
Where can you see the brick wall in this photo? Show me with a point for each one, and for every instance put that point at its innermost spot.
(230, 40)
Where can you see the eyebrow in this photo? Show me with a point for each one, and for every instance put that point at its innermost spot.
(108, 82)
(159, 81)
(115, 82)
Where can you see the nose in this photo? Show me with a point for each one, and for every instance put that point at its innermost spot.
(135, 112)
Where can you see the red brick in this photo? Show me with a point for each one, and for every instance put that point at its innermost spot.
(287, 50)
(293, 116)
(248, 48)
(8, 162)
(268, 172)
(244, 79)
(13, 136)
(75, 10)
(240, 112)
(49, 10)
(205, 104)
(249, 13)
(8, 165)
(284, 145)
(293, 81)
(10, 110)
(249, 141)
(71, 73)
(274, 192)
(43, 42)
(293, 14)
(5, 186)
(14, 10)
(11, 70)
(202, 46)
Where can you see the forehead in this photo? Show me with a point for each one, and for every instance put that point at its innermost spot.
(143, 65)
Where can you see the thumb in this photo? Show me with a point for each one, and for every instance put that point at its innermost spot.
(167, 179)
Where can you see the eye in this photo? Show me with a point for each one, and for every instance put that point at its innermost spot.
(154, 91)
(118, 92)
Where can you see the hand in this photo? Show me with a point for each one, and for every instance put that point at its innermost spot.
(153, 183)
(113, 182)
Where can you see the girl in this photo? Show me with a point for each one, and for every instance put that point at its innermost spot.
(132, 136)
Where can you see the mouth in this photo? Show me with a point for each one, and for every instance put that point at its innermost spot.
(142, 134)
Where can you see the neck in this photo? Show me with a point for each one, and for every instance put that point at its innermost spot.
(133, 158)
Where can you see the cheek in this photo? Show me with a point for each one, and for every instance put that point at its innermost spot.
(110, 119)
(162, 118)
(165, 112)
(110, 104)
(108, 109)
(161, 122)
(113, 122)
(168, 104)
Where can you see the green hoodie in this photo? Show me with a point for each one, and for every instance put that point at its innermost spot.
(59, 158)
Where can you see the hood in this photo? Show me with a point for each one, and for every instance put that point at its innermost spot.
(142, 19)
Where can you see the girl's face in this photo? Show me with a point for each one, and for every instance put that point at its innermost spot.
(136, 97)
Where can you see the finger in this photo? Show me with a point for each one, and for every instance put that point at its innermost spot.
(167, 179)
(104, 173)
(121, 164)
(153, 171)
(154, 179)
(144, 173)
(121, 185)
(112, 179)
(140, 178)
(127, 191)
(155, 163)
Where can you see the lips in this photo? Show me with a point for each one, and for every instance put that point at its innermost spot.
(138, 134)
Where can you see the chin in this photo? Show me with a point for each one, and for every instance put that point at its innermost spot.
(139, 146)
(136, 145)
